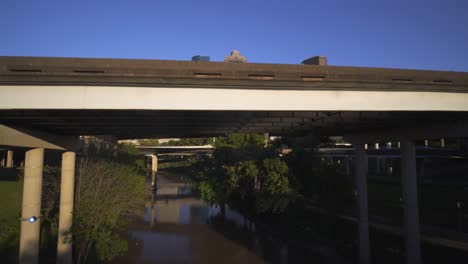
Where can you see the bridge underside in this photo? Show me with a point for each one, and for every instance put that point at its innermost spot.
(153, 98)
(183, 123)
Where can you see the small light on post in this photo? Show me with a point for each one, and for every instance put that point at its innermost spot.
(31, 219)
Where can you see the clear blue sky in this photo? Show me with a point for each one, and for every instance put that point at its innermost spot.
(430, 34)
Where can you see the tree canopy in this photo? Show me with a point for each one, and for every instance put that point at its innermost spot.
(242, 168)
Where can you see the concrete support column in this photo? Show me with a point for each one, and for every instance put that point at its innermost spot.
(64, 245)
(377, 165)
(148, 167)
(360, 175)
(389, 145)
(422, 169)
(9, 160)
(410, 200)
(32, 189)
(390, 167)
(257, 247)
(154, 169)
(377, 160)
(383, 165)
(284, 253)
(2, 159)
(256, 183)
(266, 138)
(347, 165)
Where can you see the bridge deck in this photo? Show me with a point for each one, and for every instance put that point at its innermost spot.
(153, 98)
(122, 72)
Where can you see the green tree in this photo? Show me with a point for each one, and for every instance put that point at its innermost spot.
(239, 141)
(148, 142)
(275, 192)
(189, 142)
(242, 168)
(106, 194)
(109, 186)
(316, 181)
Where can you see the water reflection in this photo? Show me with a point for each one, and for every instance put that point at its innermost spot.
(179, 228)
(163, 248)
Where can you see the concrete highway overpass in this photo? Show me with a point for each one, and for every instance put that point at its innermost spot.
(45, 103)
(147, 98)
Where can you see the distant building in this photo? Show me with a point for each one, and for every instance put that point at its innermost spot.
(317, 60)
(235, 57)
(200, 58)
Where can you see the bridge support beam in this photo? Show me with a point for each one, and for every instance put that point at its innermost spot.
(410, 199)
(26, 138)
(360, 175)
(9, 160)
(64, 245)
(32, 189)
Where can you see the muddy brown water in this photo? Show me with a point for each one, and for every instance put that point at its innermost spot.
(179, 227)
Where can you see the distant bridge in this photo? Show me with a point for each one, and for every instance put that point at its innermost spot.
(176, 150)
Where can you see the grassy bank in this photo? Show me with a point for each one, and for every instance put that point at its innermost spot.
(10, 203)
